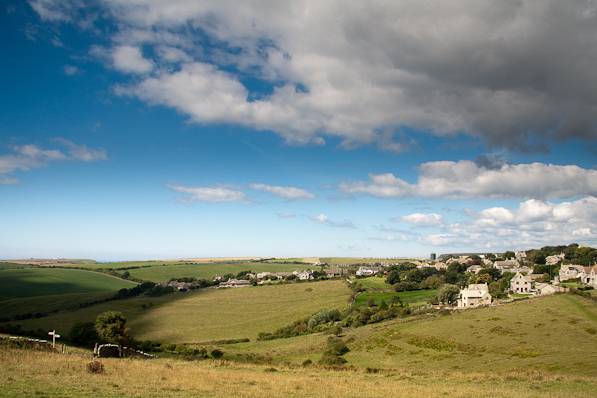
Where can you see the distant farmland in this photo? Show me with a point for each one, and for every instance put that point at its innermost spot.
(28, 290)
(161, 273)
(211, 313)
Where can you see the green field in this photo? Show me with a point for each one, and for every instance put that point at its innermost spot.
(373, 282)
(29, 290)
(211, 314)
(412, 298)
(378, 290)
(161, 273)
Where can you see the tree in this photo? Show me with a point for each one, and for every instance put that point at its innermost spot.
(393, 277)
(126, 275)
(448, 294)
(432, 282)
(540, 259)
(111, 327)
(83, 333)
(509, 254)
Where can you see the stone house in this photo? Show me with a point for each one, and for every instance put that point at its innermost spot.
(521, 284)
(475, 295)
(235, 283)
(304, 275)
(553, 260)
(333, 272)
(362, 271)
(545, 289)
(474, 269)
(589, 276)
(570, 271)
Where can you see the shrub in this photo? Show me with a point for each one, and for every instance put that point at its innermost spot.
(332, 360)
(83, 333)
(406, 286)
(216, 354)
(307, 362)
(335, 346)
(95, 367)
(159, 290)
(111, 327)
(189, 353)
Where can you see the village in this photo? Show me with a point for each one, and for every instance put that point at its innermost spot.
(523, 282)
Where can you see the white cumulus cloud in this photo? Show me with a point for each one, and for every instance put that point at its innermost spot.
(130, 59)
(423, 219)
(26, 157)
(534, 223)
(325, 220)
(208, 194)
(291, 193)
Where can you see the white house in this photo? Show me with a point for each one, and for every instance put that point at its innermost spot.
(589, 276)
(553, 260)
(235, 283)
(474, 296)
(521, 256)
(570, 271)
(362, 271)
(521, 284)
(544, 289)
(304, 275)
(503, 264)
(474, 269)
(261, 275)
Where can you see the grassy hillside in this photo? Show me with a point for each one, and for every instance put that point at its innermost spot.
(212, 313)
(544, 347)
(27, 374)
(29, 282)
(556, 335)
(29, 289)
(208, 271)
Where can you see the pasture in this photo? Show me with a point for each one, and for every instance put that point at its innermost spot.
(28, 374)
(541, 347)
(32, 289)
(377, 290)
(211, 314)
(30, 282)
(413, 298)
(160, 273)
(547, 335)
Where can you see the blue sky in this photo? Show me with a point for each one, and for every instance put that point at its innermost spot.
(132, 130)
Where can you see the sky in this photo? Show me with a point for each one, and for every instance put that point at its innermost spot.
(137, 129)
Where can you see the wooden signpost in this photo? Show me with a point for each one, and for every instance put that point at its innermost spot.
(54, 337)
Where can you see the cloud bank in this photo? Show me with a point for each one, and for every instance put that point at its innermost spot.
(208, 194)
(518, 74)
(534, 223)
(290, 193)
(466, 179)
(26, 157)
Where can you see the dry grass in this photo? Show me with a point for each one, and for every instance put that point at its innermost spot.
(28, 373)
